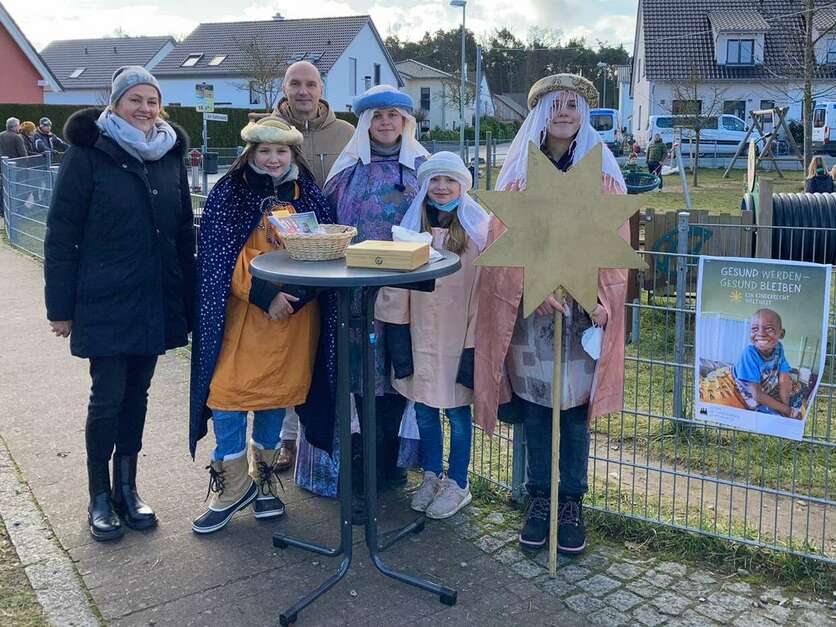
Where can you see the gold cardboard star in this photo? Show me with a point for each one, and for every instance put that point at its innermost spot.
(561, 230)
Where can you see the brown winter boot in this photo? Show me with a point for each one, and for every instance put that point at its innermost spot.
(287, 455)
(264, 471)
(233, 490)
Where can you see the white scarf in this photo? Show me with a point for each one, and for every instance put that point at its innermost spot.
(534, 129)
(150, 147)
(359, 146)
(473, 218)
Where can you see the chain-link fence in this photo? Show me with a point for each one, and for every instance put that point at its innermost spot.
(652, 461)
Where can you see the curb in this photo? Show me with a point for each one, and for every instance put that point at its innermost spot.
(50, 570)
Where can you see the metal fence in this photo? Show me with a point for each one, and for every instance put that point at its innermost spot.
(26, 191)
(652, 461)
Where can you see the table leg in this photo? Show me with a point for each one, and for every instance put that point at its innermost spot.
(446, 595)
(282, 541)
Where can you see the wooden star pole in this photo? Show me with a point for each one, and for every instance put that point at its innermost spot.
(561, 230)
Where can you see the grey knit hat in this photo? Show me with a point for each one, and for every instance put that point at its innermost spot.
(129, 76)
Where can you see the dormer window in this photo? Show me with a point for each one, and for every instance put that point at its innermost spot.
(77, 72)
(740, 52)
(831, 51)
(191, 60)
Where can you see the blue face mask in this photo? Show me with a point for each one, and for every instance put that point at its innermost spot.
(819, 171)
(446, 208)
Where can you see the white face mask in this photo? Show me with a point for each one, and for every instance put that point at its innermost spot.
(591, 340)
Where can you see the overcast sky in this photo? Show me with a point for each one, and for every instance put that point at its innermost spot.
(611, 21)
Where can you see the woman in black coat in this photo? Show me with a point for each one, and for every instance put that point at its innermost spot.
(119, 265)
(818, 179)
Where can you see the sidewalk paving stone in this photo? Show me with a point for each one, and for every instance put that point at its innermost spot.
(169, 576)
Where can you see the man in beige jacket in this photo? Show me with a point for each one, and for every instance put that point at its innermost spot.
(324, 135)
(324, 138)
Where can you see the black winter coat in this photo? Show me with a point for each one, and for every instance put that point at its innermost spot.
(119, 247)
(819, 184)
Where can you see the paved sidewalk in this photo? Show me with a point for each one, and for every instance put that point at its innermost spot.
(169, 576)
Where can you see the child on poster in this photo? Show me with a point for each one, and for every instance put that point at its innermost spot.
(762, 372)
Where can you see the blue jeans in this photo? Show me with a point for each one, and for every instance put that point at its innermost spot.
(230, 429)
(432, 447)
(574, 449)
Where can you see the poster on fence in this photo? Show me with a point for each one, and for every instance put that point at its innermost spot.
(761, 341)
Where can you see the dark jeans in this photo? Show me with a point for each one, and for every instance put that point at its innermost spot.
(655, 167)
(118, 402)
(574, 449)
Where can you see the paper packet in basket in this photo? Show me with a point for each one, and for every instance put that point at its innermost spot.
(295, 223)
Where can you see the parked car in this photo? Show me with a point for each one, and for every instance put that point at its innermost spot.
(720, 135)
(824, 128)
(605, 121)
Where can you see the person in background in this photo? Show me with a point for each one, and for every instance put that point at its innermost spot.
(324, 137)
(657, 152)
(27, 131)
(11, 141)
(46, 140)
(118, 269)
(818, 179)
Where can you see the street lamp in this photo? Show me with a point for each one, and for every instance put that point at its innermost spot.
(463, 5)
(604, 66)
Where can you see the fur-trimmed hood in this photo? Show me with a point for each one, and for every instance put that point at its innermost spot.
(81, 130)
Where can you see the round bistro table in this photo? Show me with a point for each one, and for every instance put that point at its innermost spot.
(278, 267)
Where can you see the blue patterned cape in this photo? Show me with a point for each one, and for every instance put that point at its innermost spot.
(231, 213)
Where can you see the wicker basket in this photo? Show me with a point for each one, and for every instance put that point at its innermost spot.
(319, 246)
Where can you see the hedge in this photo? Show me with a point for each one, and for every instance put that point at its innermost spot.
(220, 134)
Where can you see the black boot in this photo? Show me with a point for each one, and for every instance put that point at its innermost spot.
(104, 523)
(126, 502)
(535, 532)
(571, 532)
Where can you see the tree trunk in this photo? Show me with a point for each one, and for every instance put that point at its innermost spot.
(809, 66)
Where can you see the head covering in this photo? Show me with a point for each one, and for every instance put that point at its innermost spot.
(562, 82)
(271, 129)
(383, 99)
(536, 124)
(474, 219)
(129, 76)
(359, 146)
(27, 127)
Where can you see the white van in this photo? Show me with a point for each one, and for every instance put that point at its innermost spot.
(605, 121)
(824, 127)
(721, 135)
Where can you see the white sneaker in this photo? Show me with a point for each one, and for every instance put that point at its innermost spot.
(426, 492)
(450, 499)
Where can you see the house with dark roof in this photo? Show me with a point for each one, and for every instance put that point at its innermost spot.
(348, 51)
(509, 110)
(25, 77)
(85, 66)
(435, 93)
(739, 55)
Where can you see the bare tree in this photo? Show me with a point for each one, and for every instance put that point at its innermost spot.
(808, 29)
(696, 107)
(264, 65)
(449, 95)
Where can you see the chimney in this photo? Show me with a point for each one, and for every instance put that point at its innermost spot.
(278, 17)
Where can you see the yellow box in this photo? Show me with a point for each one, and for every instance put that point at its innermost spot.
(387, 255)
